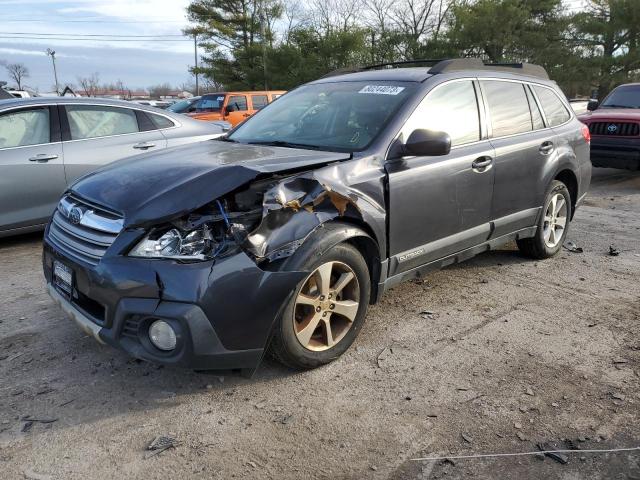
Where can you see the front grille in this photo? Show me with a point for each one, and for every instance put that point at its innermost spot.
(615, 129)
(82, 230)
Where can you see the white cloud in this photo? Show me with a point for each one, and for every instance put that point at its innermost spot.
(170, 10)
(21, 51)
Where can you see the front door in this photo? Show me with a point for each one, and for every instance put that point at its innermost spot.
(441, 205)
(100, 134)
(237, 109)
(32, 167)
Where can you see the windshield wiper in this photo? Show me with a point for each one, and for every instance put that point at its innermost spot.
(613, 105)
(282, 143)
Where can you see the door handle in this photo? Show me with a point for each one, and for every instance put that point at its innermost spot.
(144, 145)
(43, 158)
(481, 164)
(546, 148)
(246, 115)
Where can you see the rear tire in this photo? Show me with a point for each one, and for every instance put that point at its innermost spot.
(552, 226)
(327, 309)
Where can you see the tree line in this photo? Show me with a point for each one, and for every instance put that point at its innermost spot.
(279, 44)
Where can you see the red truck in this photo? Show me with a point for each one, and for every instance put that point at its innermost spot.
(614, 125)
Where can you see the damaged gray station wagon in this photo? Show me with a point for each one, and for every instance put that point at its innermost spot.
(279, 235)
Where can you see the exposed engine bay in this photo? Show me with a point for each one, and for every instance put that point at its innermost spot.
(269, 219)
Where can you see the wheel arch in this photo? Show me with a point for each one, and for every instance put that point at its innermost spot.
(344, 230)
(569, 178)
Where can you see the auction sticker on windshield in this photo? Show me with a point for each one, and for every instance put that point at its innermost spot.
(382, 89)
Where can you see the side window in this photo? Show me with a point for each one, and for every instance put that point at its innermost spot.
(91, 121)
(536, 116)
(161, 122)
(237, 103)
(25, 127)
(259, 101)
(451, 108)
(508, 107)
(554, 109)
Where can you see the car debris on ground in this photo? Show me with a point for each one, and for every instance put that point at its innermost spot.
(159, 445)
(572, 247)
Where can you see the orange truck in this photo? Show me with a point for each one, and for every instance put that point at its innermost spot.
(232, 107)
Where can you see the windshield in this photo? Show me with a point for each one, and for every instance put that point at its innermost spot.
(181, 106)
(212, 103)
(623, 97)
(343, 116)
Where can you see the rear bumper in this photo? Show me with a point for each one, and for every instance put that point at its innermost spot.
(615, 153)
(222, 311)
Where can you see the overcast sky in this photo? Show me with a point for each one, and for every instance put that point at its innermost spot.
(138, 64)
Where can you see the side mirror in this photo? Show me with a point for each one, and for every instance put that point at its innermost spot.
(592, 105)
(427, 143)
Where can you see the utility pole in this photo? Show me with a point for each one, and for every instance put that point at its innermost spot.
(52, 54)
(195, 52)
(373, 47)
(264, 46)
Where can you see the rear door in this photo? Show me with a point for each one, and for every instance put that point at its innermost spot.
(441, 205)
(31, 162)
(523, 146)
(258, 102)
(94, 135)
(237, 109)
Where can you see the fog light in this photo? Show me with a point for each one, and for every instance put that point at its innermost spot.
(162, 335)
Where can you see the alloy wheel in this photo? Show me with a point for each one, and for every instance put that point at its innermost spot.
(555, 220)
(326, 306)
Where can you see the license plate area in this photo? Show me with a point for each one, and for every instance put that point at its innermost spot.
(62, 277)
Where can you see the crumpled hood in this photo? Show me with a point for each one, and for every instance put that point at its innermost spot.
(157, 186)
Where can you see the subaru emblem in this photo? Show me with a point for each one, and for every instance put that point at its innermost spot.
(612, 128)
(75, 215)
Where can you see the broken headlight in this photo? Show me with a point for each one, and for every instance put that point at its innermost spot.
(196, 244)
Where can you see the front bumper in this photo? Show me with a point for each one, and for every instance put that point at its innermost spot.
(615, 153)
(223, 311)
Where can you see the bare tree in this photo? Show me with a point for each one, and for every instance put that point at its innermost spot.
(332, 15)
(378, 14)
(90, 85)
(294, 17)
(158, 91)
(17, 72)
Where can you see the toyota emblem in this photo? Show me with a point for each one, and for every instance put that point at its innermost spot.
(75, 215)
(612, 128)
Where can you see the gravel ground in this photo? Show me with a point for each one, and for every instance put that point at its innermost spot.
(513, 353)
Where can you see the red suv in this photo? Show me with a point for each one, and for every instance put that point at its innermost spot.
(615, 128)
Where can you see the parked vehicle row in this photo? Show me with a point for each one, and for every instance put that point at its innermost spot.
(277, 236)
(233, 107)
(47, 143)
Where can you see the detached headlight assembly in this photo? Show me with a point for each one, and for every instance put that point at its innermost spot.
(193, 245)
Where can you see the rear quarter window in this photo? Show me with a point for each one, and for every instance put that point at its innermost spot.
(508, 107)
(553, 107)
(161, 122)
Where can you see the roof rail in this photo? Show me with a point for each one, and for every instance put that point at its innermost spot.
(452, 65)
(422, 61)
(456, 64)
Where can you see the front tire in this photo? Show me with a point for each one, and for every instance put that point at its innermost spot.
(552, 226)
(327, 309)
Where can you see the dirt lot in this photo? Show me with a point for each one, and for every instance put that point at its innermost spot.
(515, 352)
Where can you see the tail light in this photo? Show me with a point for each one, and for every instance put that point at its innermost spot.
(586, 133)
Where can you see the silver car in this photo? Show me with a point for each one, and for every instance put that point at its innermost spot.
(47, 143)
